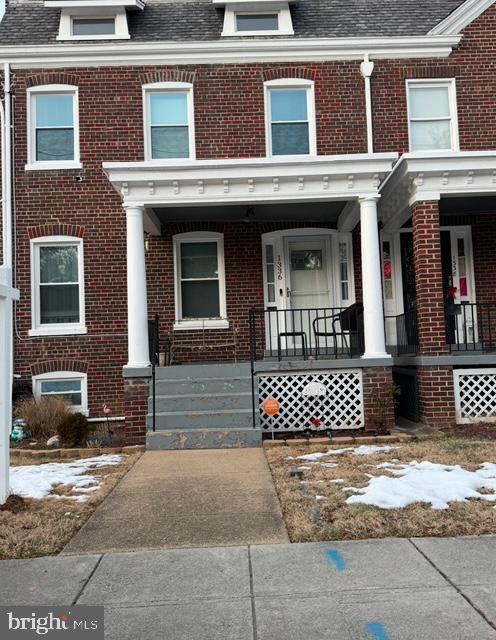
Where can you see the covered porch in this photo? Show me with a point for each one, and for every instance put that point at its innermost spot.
(225, 252)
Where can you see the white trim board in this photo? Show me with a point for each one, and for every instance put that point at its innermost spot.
(461, 17)
(227, 51)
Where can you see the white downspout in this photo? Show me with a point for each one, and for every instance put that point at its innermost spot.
(7, 293)
(366, 69)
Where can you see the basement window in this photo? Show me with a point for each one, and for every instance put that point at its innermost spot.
(68, 385)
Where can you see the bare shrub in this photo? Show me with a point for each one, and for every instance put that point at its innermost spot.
(42, 416)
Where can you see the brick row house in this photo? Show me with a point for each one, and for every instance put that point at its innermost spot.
(290, 200)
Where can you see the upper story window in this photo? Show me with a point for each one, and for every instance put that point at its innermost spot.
(95, 20)
(169, 128)
(57, 286)
(290, 118)
(432, 115)
(93, 26)
(53, 131)
(257, 22)
(257, 17)
(200, 282)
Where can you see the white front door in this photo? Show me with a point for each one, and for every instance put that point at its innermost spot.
(309, 284)
(309, 289)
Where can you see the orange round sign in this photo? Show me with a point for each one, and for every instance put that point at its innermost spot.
(271, 406)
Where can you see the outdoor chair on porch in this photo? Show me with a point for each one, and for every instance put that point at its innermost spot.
(345, 326)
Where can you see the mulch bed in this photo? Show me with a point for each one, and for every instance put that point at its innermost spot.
(480, 430)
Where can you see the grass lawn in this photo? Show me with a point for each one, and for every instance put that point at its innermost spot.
(331, 518)
(30, 528)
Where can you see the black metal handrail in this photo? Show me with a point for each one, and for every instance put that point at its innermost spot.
(471, 326)
(154, 346)
(325, 332)
(405, 340)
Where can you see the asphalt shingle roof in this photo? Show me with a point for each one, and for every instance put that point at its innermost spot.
(29, 22)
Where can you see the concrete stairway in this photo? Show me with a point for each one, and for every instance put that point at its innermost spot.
(203, 406)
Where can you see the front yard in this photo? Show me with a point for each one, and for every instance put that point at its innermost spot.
(436, 487)
(53, 500)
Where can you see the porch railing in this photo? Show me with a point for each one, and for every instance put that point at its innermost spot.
(402, 333)
(320, 333)
(471, 327)
(154, 347)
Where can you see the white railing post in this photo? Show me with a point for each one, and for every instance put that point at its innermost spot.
(373, 308)
(137, 312)
(7, 295)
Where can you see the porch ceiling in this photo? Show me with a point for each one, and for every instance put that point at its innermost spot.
(446, 175)
(308, 211)
(466, 205)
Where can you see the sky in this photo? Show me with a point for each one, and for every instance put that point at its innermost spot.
(2, 7)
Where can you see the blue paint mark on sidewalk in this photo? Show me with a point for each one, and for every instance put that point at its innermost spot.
(377, 631)
(337, 559)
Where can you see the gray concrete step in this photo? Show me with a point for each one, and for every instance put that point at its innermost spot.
(182, 386)
(227, 419)
(204, 439)
(201, 402)
(200, 371)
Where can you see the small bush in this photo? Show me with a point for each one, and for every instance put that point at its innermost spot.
(42, 416)
(73, 430)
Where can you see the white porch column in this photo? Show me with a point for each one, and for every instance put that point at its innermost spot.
(373, 309)
(137, 313)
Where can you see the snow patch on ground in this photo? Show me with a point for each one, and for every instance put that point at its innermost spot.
(337, 481)
(362, 450)
(38, 481)
(432, 483)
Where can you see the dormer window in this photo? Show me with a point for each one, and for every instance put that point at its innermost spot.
(256, 17)
(96, 20)
(93, 26)
(257, 22)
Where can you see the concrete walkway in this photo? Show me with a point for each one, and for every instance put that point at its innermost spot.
(187, 499)
(422, 589)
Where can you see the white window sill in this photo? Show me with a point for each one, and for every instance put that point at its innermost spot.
(65, 330)
(52, 166)
(271, 32)
(109, 36)
(188, 325)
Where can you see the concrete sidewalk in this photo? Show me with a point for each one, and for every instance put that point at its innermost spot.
(422, 589)
(187, 499)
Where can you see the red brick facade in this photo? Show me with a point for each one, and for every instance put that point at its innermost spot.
(229, 123)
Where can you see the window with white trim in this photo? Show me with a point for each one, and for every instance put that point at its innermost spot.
(57, 286)
(432, 115)
(53, 127)
(260, 17)
(69, 385)
(290, 118)
(79, 21)
(200, 282)
(169, 124)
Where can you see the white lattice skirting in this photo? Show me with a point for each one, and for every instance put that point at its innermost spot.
(475, 395)
(336, 399)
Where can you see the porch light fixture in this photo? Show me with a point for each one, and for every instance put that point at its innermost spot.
(249, 215)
